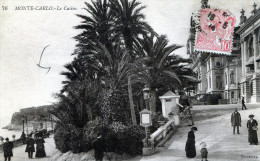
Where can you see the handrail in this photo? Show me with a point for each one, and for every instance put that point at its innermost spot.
(160, 135)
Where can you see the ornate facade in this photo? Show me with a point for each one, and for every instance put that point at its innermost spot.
(218, 74)
(250, 48)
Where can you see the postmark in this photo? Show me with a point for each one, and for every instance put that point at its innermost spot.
(215, 31)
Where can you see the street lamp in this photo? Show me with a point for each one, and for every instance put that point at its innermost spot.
(146, 93)
(23, 122)
(146, 121)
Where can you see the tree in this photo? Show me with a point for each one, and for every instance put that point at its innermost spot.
(129, 25)
(158, 67)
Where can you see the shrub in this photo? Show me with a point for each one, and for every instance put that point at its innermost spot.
(62, 138)
(133, 138)
(76, 140)
(90, 132)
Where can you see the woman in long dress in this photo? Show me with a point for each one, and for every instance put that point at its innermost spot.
(40, 150)
(190, 144)
(252, 130)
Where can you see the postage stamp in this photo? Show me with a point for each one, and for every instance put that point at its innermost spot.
(215, 31)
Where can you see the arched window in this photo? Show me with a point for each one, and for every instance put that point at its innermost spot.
(250, 48)
(232, 75)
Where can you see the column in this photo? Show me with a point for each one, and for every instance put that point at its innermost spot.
(245, 56)
(256, 78)
(242, 57)
(255, 48)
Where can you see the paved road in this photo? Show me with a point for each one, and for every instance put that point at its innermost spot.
(20, 155)
(215, 129)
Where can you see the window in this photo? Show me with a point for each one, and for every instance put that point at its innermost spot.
(232, 94)
(218, 82)
(232, 81)
(209, 82)
(243, 88)
(226, 78)
(250, 48)
(218, 64)
(251, 88)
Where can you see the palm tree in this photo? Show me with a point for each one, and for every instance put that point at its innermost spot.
(159, 67)
(129, 25)
(79, 88)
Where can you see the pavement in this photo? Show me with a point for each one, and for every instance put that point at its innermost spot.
(20, 154)
(214, 128)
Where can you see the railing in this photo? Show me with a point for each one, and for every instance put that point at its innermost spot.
(161, 135)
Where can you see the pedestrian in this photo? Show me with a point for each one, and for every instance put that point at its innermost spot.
(243, 104)
(40, 149)
(190, 144)
(98, 145)
(204, 151)
(190, 118)
(8, 149)
(30, 146)
(23, 137)
(235, 121)
(252, 130)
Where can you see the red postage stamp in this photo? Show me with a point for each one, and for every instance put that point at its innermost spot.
(215, 31)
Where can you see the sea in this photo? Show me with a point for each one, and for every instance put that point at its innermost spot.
(9, 133)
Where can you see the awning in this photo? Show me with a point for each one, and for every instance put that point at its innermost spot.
(250, 62)
(258, 58)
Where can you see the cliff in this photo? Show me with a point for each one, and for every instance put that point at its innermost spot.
(39, 113)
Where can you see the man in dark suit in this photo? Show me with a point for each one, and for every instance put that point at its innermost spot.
(98, 145)
(243, 103)
(235, 121)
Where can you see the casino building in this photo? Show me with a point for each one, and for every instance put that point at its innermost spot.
(250, 48)
(218, 74)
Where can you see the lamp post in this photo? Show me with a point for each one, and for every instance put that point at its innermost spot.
(146, 93)
(23, 122)
(146, 121)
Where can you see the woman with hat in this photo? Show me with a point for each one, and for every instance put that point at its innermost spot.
(252, 130)
(40, 149)
(190, 144)
(8, 149)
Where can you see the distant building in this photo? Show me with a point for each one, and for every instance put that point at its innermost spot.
(218, 74)
(250, 46)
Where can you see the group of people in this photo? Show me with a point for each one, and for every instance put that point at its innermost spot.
(30, 148)
(251, 126)
(235, 122)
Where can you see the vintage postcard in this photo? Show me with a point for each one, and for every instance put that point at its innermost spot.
(134, 80)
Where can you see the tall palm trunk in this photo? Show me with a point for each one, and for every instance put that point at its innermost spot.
(131, 100)
(152, 102)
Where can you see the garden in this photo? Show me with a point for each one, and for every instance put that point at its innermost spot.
(117, 54)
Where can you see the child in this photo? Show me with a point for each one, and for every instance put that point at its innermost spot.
(204, 151)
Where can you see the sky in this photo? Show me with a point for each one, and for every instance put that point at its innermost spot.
(24, 34)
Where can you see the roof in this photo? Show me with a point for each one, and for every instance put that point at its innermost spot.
(169, 94)
(249, 22)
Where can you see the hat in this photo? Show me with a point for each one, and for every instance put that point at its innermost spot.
(251, 115)
(194, 128)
